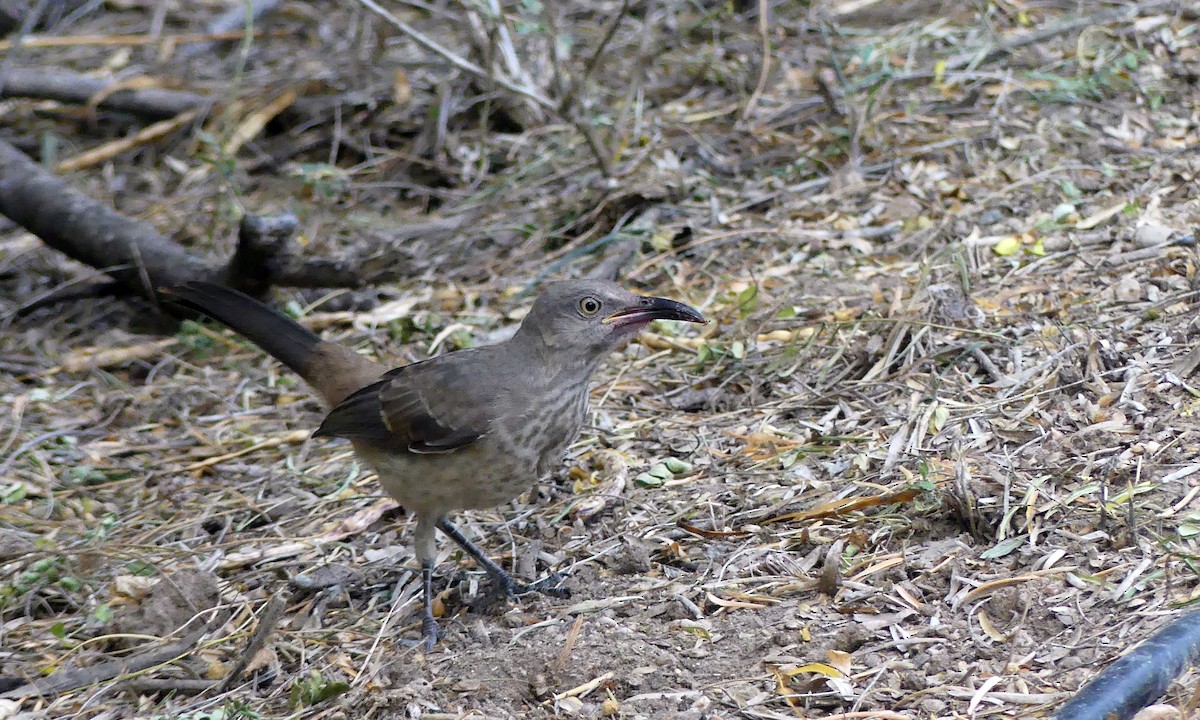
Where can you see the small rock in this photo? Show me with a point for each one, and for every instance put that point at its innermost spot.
(932, 706)
(1128, 289)
(1158, 712)
(570, 706)
(176, 600)
(901, 208)
(1149, 234)
(990, 217)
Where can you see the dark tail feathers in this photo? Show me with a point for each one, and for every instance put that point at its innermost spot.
(286, 340)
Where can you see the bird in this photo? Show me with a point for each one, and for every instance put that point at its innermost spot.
(463, 430)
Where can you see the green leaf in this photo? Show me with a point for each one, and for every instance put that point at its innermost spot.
(661, 471)
(1004, 547)
(747, 300)
(330, 690)
(677, 466)
(103, 614)
(647, 480)
(1070, 191)
(13, 493)
(788, 459)
(697, 631)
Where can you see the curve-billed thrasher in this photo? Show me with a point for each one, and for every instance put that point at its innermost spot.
(469, 429)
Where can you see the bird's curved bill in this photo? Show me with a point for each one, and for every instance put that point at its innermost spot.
(655, 308)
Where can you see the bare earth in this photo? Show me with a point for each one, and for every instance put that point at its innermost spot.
(935, 457)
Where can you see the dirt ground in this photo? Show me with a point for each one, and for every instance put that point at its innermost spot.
(934, 456)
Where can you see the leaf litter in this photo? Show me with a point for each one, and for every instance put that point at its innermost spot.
(933, 457)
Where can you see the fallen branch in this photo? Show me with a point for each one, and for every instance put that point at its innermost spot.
(67, 680)
(266, 625)
(139, 258)
(133, 253)
(68, 87)
(138, 96)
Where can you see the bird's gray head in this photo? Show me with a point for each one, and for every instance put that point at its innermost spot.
(595, 316)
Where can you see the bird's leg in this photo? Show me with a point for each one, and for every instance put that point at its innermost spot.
(430, 632)
(501, 580)
(425, 548)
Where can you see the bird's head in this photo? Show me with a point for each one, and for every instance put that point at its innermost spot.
(595, 316)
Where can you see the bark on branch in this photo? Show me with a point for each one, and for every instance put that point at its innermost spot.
(48, 83)
(139, 258)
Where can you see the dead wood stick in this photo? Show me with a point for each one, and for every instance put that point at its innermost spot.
(64, 86)
(67, 680)
(15, 15)
(457, 60)
(110, 150)
(178, 686)
(138, 257)
(266, 625)
(123, 40)
(69, 87)
(133, 253)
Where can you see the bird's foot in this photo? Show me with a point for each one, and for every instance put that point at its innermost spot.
(551, 586)
(430, 631)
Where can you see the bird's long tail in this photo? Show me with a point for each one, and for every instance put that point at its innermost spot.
(333, 370)
(286, 340)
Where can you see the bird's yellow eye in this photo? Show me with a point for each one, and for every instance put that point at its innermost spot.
(589, 306)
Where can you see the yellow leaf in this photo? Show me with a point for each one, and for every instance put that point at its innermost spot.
(1007, 246)
(839, 660)
(816, 668)
(989, 628)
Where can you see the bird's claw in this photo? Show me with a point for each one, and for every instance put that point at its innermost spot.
(550, 586)
(431, 633)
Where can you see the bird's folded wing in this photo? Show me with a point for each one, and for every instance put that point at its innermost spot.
(426, 407)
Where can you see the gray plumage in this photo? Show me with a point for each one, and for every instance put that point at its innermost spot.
(469, 429)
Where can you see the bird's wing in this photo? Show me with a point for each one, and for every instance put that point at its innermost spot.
(433, 406)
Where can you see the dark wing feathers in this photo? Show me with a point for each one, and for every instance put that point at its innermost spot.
(431, 406)
(358, 418)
